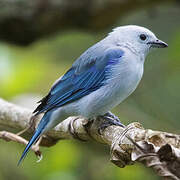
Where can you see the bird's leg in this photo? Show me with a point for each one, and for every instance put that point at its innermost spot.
(111, 119)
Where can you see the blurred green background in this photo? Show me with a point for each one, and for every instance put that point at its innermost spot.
(27, 73)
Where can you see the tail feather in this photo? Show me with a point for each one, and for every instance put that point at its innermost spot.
(40, 129)
(31, 142)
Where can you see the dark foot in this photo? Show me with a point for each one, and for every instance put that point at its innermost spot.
(111, 119)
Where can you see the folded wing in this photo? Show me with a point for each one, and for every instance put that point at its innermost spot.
(85, 76)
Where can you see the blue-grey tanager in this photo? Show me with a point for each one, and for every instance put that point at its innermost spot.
(101, 78)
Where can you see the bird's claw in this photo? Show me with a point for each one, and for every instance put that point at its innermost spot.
(110, 119)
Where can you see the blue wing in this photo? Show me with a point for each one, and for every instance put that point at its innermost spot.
(86, 75)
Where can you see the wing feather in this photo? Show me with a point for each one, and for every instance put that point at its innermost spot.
(74, 85)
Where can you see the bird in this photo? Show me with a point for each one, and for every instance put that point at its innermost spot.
(100, 79)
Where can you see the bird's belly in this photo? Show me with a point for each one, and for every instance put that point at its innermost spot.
(110, 95)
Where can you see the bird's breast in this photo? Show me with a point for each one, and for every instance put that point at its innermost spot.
(123, 81)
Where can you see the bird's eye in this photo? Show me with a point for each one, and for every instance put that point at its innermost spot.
(143, 37)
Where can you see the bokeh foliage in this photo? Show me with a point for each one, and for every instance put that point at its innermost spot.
(31, 71)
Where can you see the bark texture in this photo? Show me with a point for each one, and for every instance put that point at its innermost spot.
(155, 149)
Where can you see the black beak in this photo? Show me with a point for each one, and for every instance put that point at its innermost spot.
(158, 44)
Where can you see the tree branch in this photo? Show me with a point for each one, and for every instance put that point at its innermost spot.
(155, 149)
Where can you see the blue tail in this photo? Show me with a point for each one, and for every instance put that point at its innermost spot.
(31, 142)
(40, 129)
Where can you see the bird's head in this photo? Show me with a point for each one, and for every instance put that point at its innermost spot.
(139, 39)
